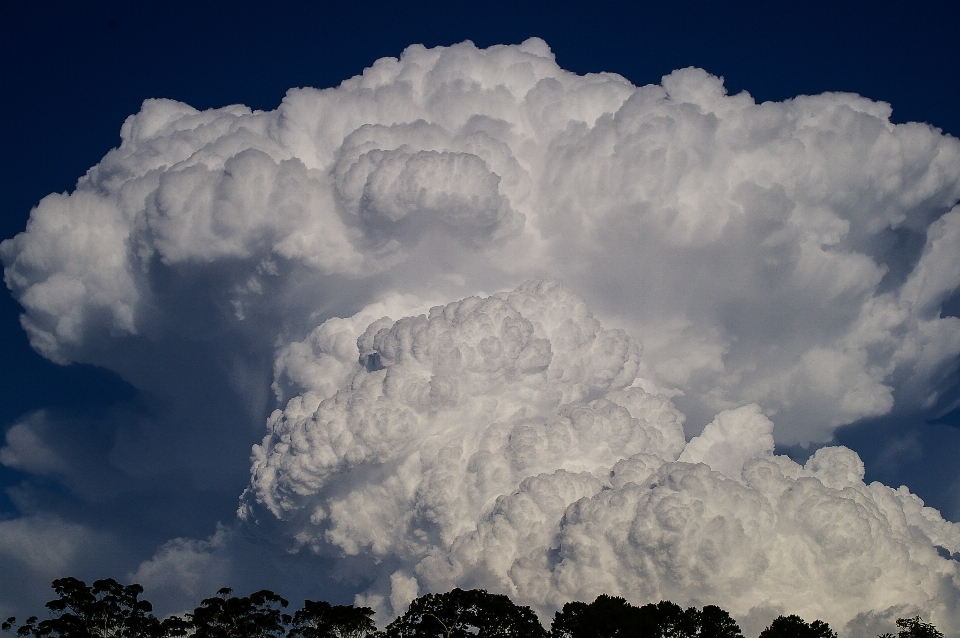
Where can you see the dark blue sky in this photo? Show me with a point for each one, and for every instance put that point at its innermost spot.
(72, 72)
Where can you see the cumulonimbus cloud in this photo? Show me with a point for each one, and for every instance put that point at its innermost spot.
(794, 255)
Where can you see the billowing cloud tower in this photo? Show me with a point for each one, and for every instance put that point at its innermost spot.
(786, 265)
(507, 443)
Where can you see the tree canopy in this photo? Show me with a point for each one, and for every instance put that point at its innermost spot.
(914, 628)
(466, 614)
(320, 619)
(793, 626)
(108, 609)
(258, 615)
(614, 617)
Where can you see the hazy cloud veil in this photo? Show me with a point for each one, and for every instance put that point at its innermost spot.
(388, 253)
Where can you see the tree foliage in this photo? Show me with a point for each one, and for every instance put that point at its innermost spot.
(319, 619)
(793, 626)
(914, 628)
(717, 623)
(614, 617)
(466, 614)
(108, 609)
(258, 615)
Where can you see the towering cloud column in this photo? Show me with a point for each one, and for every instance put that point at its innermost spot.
(507, 443)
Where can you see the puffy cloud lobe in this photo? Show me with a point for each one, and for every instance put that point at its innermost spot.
(249, 205)
(505, 443)
(72, 271)
(776, 538)
(27, 451)
(401, 192)
(43, 543)
(767, 252)
(468, 400)
(731, 439)
(764, 175)
(779, 538)
(185, 569)
(321, 363)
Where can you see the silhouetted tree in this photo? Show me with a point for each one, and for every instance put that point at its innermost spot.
(106, 609)
(614, 617)
(717, 623)
(914, 628)
(258, 615)
(605, 617)
(795, 627)
(466, 614)
(319, 619)
(669, 620)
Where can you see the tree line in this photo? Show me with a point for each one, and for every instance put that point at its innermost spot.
(107, 609)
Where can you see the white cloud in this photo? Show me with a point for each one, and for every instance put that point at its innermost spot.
(26, 450)
(730, 440)
(183, 570)
(794, 256)
(43, 544)
(512, 360)
(758, 248)
(505, 443)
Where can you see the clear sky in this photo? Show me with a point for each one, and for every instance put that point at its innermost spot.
(113, 489)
